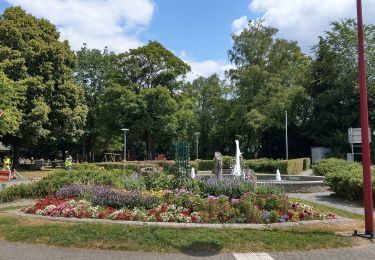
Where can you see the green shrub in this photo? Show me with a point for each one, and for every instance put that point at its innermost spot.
(266, 165)
(306, 163)
(205, 165)
(85, 174)
(294, 166)
(161, 182)
(343, 178)
(228, 162)
(332, 165)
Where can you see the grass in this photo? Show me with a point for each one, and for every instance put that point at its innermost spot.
(36, 174)
(156, 239)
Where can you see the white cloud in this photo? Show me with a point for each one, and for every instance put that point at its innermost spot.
(305, 20)
(99, 23)
(239, 24)
(204, 68)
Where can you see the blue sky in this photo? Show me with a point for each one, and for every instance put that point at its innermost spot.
(198, 31)
(201, 28)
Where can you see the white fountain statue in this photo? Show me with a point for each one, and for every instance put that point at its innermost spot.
(236, 171)
(278, 176)
(192, 172)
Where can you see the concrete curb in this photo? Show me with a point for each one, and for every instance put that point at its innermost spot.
(337, 221)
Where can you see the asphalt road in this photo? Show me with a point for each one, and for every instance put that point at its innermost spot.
(21, 251)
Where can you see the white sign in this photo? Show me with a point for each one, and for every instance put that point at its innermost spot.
(355, 136)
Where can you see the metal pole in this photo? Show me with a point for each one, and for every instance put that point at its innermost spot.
(286, 135)
(125, 130)
(367, 182)
(197, 145)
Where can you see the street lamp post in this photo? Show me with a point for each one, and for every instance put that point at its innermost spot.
(286, 136)
(125, 130)
(367, 182)
(197, 142)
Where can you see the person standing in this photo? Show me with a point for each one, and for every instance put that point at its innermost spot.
(68, 161)
(7, 165)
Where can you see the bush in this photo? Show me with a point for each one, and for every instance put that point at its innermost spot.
(266, 165)
(332, 165)
(205, 165)
(343, 178)
(231, 187)
(81, 174)
(106, 196)
(306, 163)
(294, 166)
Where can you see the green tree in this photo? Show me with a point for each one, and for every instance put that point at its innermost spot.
(93, 73)
(149, 66)
(270, 74)
(12, 94)
(334, 89)
(31, 53)
(210, 96)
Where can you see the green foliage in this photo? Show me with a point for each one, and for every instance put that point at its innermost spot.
(233, 188)
(205, 165)
(85, 174)
(294, 166)
(148, 67)
(334, 88)
(331, 165)
(268, 80)
(32, 55)
(161, 182)
(306, 163)
(342, 177)
(12, 94)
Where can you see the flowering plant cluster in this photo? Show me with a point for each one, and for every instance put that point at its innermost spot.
(71, 207)
(178, 205)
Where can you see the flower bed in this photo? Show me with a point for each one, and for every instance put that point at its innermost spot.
(178, 205)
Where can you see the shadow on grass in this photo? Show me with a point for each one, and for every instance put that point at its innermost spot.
(201, 248)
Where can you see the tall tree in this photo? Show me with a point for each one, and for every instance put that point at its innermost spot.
(150, 66)
(53, 109)
(269, 74)
(210, 95)
(12, 94)
(334, 89)
(92, 72)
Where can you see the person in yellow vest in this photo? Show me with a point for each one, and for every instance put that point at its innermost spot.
(68, 161)
(7, 164)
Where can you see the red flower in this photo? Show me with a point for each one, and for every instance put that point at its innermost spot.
(101, 214)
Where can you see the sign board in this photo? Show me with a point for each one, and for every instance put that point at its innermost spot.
(355, 137)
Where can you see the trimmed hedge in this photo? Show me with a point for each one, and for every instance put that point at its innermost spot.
(293, 166)
(306, 163)
(343, 178)
(332, 165)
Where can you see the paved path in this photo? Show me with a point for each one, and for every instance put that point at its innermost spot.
(326, 199)
(19, 203)
(20, 251)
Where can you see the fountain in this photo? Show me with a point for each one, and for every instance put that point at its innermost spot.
(236, 171)
(287, 183)
(278, 175)
(192, 172)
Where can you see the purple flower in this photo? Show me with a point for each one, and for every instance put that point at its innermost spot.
(265, 215)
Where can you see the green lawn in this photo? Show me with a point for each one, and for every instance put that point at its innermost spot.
(156, 239)
(36, 174)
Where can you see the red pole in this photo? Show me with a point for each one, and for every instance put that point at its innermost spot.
(367, 182)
